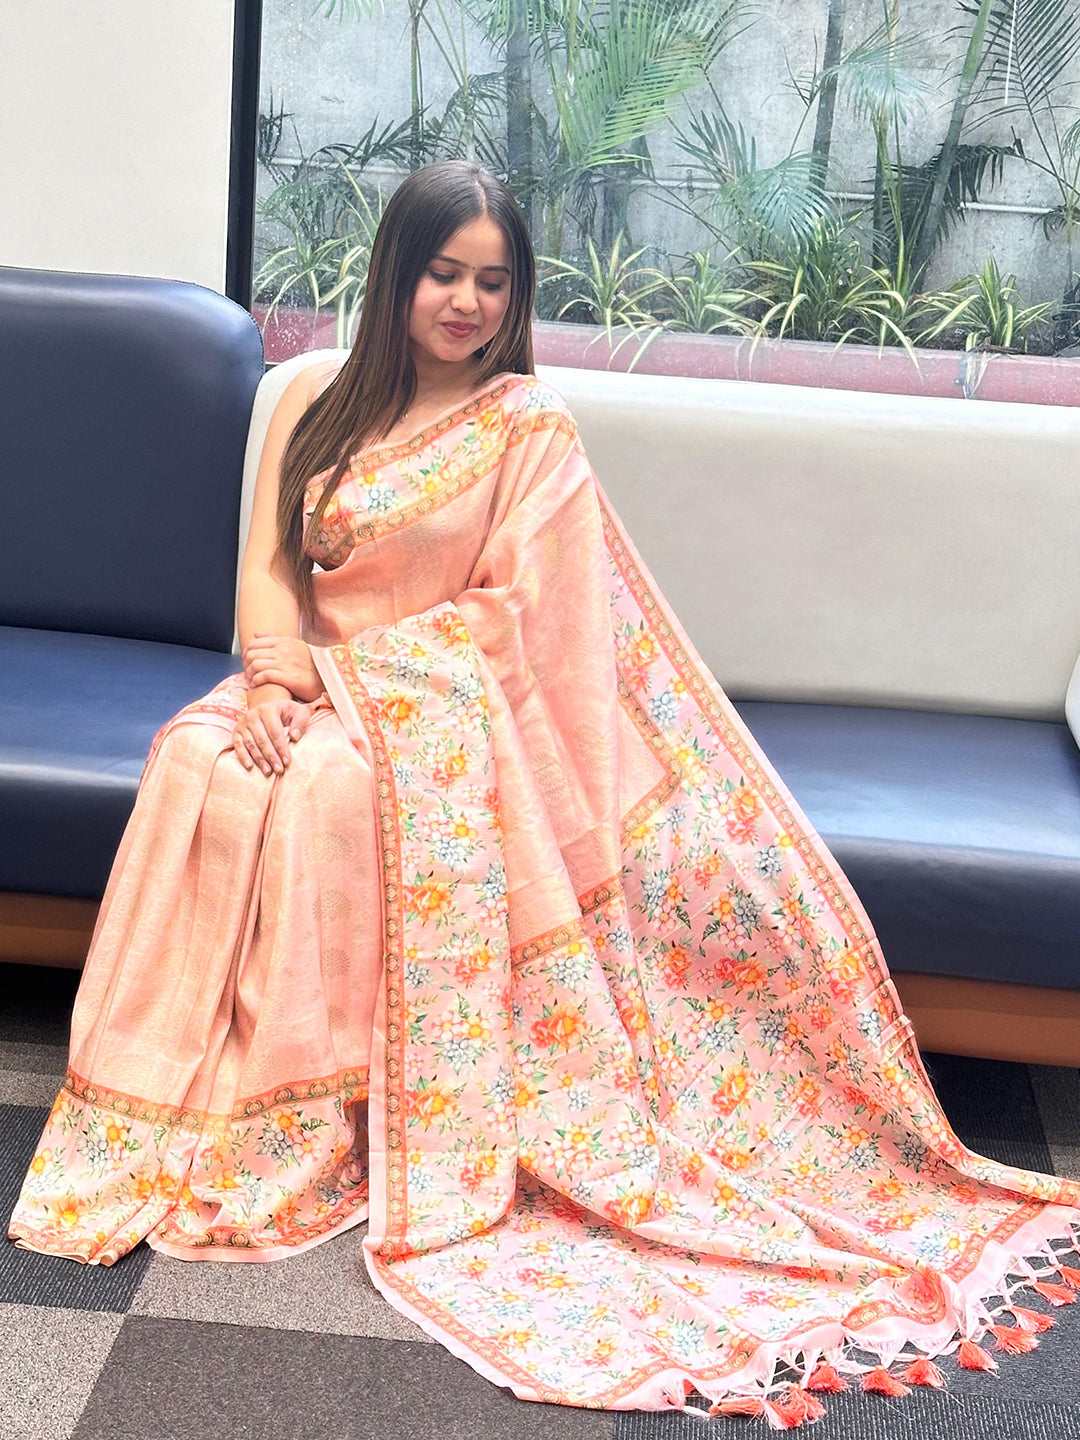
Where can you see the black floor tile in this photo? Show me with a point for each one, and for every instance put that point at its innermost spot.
(28, 1278)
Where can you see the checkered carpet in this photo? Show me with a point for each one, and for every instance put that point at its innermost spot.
(159, 1349)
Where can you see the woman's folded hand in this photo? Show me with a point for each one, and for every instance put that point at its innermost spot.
(282, 660)
(273, 722)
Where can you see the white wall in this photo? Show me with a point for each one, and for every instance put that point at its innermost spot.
(114, 116)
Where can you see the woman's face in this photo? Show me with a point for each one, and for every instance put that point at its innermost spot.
(462, 296)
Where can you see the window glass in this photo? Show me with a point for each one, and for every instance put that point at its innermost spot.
(875, 193)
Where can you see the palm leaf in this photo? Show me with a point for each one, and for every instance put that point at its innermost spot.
(1031, 48)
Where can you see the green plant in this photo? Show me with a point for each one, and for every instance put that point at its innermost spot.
(985, 309)
(610, 291)
(331, 222)
(824, 290)
(702, 299)
(1033, 48)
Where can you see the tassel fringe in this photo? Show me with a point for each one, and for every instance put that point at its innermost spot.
(1014, 1340)
(1056, 1294)
(973, 1357)
(786, 1406)
(882, 1382)
(922, 1371)
(827, 1379)
(1032, 1319)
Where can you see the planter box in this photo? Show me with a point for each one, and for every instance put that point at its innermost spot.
(954, 374)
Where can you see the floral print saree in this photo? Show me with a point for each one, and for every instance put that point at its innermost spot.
(530, 960)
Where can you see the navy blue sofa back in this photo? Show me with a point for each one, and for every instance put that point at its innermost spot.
(128, 401)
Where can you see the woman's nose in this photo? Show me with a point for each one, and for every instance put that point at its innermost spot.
(464, 298)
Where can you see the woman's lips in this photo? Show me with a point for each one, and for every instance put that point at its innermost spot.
(459, 332)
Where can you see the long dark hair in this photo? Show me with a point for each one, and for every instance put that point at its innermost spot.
(377, 383)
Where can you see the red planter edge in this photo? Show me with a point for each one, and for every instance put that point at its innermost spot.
(952, 374)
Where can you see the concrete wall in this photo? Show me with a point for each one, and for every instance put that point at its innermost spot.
(336, 75)
(115, 122)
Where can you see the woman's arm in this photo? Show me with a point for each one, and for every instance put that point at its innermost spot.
(267, 608)
(267, 604)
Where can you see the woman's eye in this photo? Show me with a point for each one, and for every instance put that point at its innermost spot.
(492, 287)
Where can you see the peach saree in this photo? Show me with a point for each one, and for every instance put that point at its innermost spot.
(644, 1116)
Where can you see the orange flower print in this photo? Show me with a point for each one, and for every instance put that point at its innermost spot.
(600, 1353)
(429, 1103)
(731, 1087)
(807, 1096)
(430, 899)
(629, 1209)
(564, 1027)
(398, 710)
(691, 1168)
(475, 1171)
(476, 962)
(450, 763)
(674, 966)
(706, 869)
(886, 1189)
(734, 1159)
(821, 1016)
(452, 628)
(845, 971)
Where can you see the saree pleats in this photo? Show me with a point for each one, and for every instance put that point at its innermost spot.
(644, 1112)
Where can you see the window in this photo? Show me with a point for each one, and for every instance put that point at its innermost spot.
(819, 193)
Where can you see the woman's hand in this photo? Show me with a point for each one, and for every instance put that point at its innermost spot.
(282, 660)
(274, 720)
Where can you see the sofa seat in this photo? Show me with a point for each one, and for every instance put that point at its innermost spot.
(960, 833)
(77, 717)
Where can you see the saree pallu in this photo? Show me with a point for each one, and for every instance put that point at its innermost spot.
(644, 1116)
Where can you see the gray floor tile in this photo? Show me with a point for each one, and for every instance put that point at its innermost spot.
(25, 1087)
(38, 1058)
(185, 1380)
(49, 1361)
(325, 1290)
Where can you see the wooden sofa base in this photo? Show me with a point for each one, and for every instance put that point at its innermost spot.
(982, 1018)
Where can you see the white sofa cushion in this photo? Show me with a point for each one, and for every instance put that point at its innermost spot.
(832, 545)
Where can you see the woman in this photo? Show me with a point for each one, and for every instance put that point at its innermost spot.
(489, 849)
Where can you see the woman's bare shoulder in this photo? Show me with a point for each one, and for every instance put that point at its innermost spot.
(319, 376)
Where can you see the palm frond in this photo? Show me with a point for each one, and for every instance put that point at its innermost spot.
(883, 77)
(1031, 50)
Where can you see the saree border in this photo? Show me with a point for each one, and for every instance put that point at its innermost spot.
(409, 514)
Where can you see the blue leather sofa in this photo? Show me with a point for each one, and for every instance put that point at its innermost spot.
(878, 582)
(127, 402)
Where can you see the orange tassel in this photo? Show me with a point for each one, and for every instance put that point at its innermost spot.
(825, 1378)
(738, 1405)
(796, 1407)
(1070, 1275)
(881, 1382)
(1032, 1319)
(974, 1357)
(1056, 1294)
(1012, 1339)
(922, 1371)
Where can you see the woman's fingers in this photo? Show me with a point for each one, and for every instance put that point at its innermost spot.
(239, 745)
(301, 719)
(268, 723)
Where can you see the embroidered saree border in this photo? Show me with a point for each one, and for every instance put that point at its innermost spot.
(394, 928)
(406, 515)
(351, 1084)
